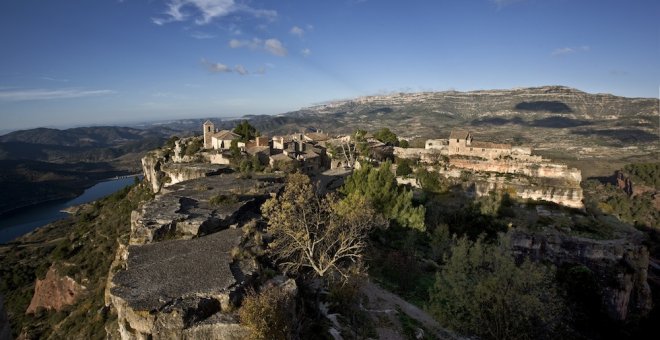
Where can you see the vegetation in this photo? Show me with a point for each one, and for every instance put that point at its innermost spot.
(404, 167)
(482, 291)
(379, 186)
(193, 146)
(386, 136)
(221, 199)
(246, 131)
(88, 240)
(321, 235)
(645, 173)
(268, 314)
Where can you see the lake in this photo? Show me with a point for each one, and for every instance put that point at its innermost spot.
(22, 221)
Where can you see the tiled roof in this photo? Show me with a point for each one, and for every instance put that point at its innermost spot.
(226, 135)
(489, 145)
(459, 134)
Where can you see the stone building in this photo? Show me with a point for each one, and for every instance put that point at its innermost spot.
(218, 140)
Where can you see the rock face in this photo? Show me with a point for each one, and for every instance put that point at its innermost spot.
(5, 329)
(177, 278)
(558, 192)
(171, 289)
(185, 210)
(160, 172)
(55, 292)
(620, 265)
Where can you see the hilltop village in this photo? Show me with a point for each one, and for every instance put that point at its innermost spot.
(489, 166)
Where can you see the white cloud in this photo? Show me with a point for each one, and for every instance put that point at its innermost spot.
(306, 52)
(275, 47)
(562, 51)
(215, 67)
(570, 50)
(205, 11)
(222, 68)
(297, 31)
(272, 46)
(240, 69)
(46, 94)
(201, 35)
(504, 3)
(251, 44)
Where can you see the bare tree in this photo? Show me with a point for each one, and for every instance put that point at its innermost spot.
(324, 234)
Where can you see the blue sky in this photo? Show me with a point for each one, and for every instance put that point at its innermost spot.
(81, 62)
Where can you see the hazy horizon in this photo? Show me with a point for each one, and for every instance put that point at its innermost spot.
(80, 63)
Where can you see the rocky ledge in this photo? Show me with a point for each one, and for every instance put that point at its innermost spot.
(175, 289)
(178, 277)
(200, 207)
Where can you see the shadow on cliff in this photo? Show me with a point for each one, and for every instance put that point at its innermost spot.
(554, 122)
(544, 106)
(620, 135)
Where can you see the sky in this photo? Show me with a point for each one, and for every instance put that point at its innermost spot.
(80, 62)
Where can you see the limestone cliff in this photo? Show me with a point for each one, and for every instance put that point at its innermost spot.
(55, 292)
(179, 276)
(160, 171)
(621, 266)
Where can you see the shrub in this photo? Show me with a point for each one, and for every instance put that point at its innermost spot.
(268, 314)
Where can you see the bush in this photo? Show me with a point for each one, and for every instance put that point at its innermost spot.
(482, 291)
(268, 314)
(221, 199)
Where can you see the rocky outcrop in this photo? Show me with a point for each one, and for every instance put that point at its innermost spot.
(161, 172)
(151, 168)
(186, 210)
(181, 288)
(55, 292)
(178, 277)
(551, 191)
(620, 265)
(5, 329)
(537, 170)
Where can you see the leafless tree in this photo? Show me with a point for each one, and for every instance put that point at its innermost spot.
(324, 234)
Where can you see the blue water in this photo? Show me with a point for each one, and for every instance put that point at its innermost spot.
(25, 220)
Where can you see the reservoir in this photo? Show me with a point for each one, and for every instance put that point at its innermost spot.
(24, 220)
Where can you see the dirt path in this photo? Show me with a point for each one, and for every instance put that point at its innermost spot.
(384, 304)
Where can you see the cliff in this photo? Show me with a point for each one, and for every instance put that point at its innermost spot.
(620, 265)
(161, 172)
(181, 276)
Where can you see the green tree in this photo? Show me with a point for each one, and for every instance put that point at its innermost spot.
(323, 236)
(404, 144)
(482, 291)
(379, 186)
(404, 167)
(386, 136)
(246, 131)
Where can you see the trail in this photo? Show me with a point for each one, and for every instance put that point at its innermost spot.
(384, 302)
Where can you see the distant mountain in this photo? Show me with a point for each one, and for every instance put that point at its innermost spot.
(84, 144)
(43, 164)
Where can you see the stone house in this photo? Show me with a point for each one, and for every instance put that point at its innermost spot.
(218, 140)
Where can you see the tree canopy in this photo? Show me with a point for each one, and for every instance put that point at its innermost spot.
(322, 235)
(246, 131)
(386, 136)
(482, 291)
(379, 186)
